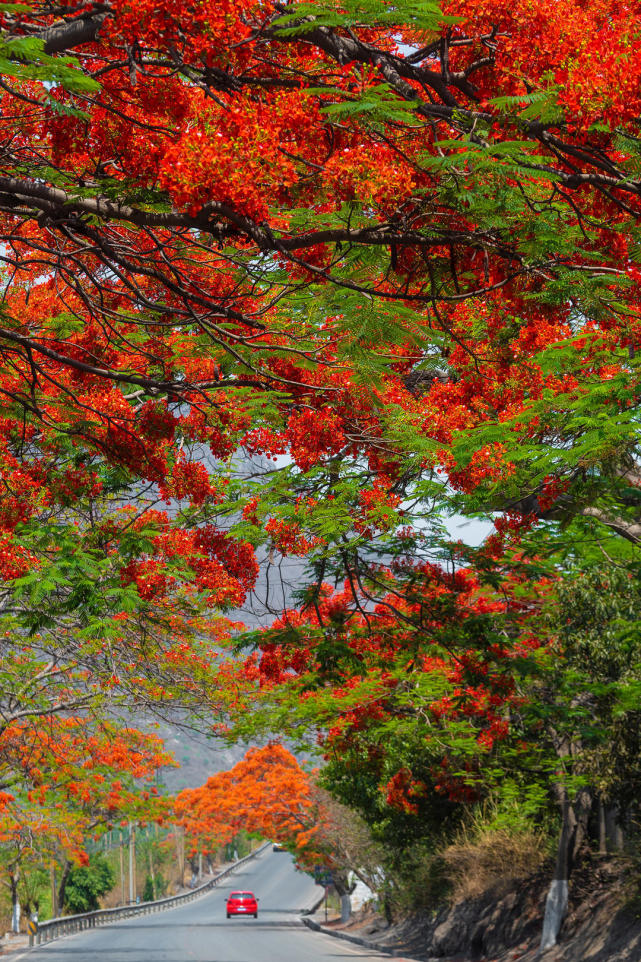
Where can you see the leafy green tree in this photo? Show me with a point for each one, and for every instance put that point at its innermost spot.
(87, 883)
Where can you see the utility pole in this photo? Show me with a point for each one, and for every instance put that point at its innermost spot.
(152, 872)
(132, 862)
(122, 868)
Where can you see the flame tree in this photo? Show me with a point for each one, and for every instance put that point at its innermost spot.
(393, 248)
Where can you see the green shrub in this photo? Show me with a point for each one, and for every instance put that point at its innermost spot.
(148, 893)
(86, 884)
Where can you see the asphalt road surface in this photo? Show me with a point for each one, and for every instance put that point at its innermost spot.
(200, 932)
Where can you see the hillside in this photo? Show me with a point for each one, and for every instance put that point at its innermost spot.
(603, 923)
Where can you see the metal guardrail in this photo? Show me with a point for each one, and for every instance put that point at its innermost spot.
(67, 924)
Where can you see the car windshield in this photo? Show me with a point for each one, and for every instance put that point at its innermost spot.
(242, 896)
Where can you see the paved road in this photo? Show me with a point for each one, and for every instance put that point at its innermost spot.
(200, 932)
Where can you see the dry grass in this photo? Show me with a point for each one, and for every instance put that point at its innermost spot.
(492, 858)
(5, 921)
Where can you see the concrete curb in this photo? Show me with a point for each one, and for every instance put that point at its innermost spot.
(376, 946)
(316, 904)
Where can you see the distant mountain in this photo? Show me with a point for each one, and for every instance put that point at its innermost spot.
(198, 756)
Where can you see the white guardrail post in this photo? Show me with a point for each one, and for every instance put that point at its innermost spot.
(66, 924)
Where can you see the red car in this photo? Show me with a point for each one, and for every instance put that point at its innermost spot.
(242, 903)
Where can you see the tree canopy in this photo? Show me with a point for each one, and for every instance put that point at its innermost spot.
(309, 279)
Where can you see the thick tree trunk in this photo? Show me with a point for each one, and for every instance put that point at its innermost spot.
(15, 902)
(387, 909)
(346, 907)
(619, 837)
(55, 910)
(574, 823)
(557, 899)
(610, 827)
(193, 865)
(603, 835)
(344, 889)
(63, 885)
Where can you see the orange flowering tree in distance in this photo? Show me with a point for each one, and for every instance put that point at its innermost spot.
(267, 793)
(271, 794)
